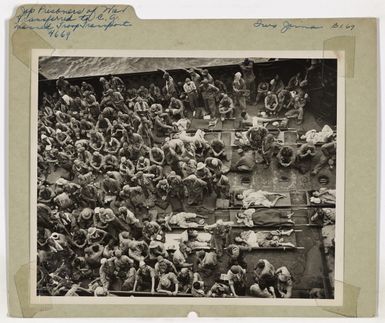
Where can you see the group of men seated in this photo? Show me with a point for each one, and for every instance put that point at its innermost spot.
(105, 163)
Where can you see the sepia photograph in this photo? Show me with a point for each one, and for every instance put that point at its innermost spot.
(187, 176)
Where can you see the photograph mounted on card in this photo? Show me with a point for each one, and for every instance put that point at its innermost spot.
(171, 169)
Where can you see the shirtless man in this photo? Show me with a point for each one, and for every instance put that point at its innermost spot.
(185, 220)
(258, 198)
(263, 239)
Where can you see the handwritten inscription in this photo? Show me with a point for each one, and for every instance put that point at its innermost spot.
(63, 22)
(337, 25)
(287, 26)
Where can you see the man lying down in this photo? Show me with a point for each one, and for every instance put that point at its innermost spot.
(264, 239)
(258, 198)
(189, 240)
(265, 218)
(184, 220)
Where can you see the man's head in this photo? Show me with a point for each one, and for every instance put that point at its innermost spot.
(315, 200)
(269, 138)
(235, 269)
(192, 233)
(286, 151)
(100, 291)
(283, 278)
(200, 166)
(165, 282)
(239, 196)
(200, 253)
(198, 285)
(238, 239)
(235, 251)
(86, 213)
(184, 272)
(126, 188)
(118, 253)
(125, 235)
(269, 236)
(260, 264)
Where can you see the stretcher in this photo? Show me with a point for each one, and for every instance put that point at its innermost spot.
(233, 218)
(204, 124)
(292, 238)
(283, 202)
(291, 199)
(173, 240)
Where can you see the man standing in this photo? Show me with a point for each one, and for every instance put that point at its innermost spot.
(195, 188)
(248, 74)
(240, 92)
(190, 88)
(209, 93)
(221, 232)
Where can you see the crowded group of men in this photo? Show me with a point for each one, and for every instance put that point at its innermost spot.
(107, 162)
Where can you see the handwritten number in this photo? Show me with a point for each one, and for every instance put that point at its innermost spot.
(337, 25)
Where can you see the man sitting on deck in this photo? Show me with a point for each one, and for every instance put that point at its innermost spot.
(271, 103)
(286, 156)
(219, 289)
(328, 156)
(207, 260)
(226, 107)
(265, 280)
(284, 282)
(237, 280)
